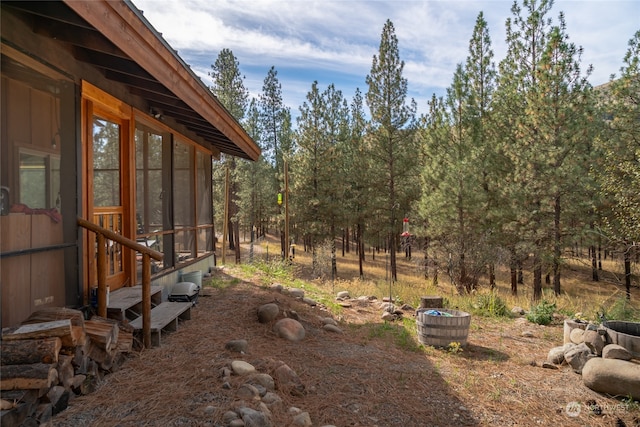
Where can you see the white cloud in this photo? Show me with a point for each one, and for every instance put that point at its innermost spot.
(319, 40)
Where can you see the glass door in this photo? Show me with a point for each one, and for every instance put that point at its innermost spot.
(107, 192)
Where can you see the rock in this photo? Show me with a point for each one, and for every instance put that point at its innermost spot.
(332, 328)
(577, 336)
(527, 334)
(329, 321)
(518, 311)
(615, 351)
(407, 307)
(295, 292)
(390, 317)
(594, 341)
(240, 367)
(277, 287)
(343, 295)
(288, 381)
(578, 356)
(248, 392)
(289, 329)
(238, 422)
(229, 416)
(302, 419)
(239, 346)
(556, 355)
(254, 418)
(612, 376)
(362, 301)
(265, 380)
(292, 314)
(268, 312)
(386, 306)
(548, 365)
(272, 399)
(309, 301)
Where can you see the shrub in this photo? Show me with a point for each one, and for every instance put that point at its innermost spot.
(542, 314)
(621, 309)
(490, 305)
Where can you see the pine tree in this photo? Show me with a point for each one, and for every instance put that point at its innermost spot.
(228, 87)
(619, 146)
(392, 145)
(276, 137)
(544, 104)
(318, 189)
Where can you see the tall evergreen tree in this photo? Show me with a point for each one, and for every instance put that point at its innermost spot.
(276, 134)
(619, 172)
(318, 189)
(523, 217)
(544, 104)
(357, 175)
(228, 87)
(393, 144)
(481, 72)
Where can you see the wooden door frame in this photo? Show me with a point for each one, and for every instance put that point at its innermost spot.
(97, 102)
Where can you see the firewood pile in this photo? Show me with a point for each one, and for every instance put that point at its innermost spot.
(54, 355)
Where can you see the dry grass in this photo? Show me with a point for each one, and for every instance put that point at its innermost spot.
(375, 374)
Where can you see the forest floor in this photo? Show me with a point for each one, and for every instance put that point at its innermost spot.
(375, 373)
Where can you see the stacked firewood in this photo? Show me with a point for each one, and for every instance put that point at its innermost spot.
(54, 355)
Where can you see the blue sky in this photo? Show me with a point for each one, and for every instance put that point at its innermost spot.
(334, 41)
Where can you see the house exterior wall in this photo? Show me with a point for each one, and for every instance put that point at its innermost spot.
(45, 258)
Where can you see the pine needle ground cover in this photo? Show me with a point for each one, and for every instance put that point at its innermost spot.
(374, 374)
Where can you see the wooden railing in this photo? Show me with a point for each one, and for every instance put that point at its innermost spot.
(102, 234)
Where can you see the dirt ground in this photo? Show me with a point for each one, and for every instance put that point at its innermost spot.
(362, 377)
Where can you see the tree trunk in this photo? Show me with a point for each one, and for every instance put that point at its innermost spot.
(426, 258)
(360, 242)
(594, 260)
(492, 275)
(557, 246)
(627, 270)
(236, 226)
(537, 278)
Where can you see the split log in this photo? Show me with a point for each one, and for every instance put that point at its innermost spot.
(102, 331)
(103, 358)
(27, 377)
(49, 314)
(61, 313)
(59, 399)
(24, 352)
(65, 371)
(56, 328)
(125, 340)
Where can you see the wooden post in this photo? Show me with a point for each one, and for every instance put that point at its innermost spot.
(102, 275)
(146, 300)
(225, 225)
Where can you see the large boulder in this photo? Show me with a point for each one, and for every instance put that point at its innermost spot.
(612, 376)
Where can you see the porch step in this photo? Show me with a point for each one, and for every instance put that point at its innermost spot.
(164, 317)
(126, 303)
